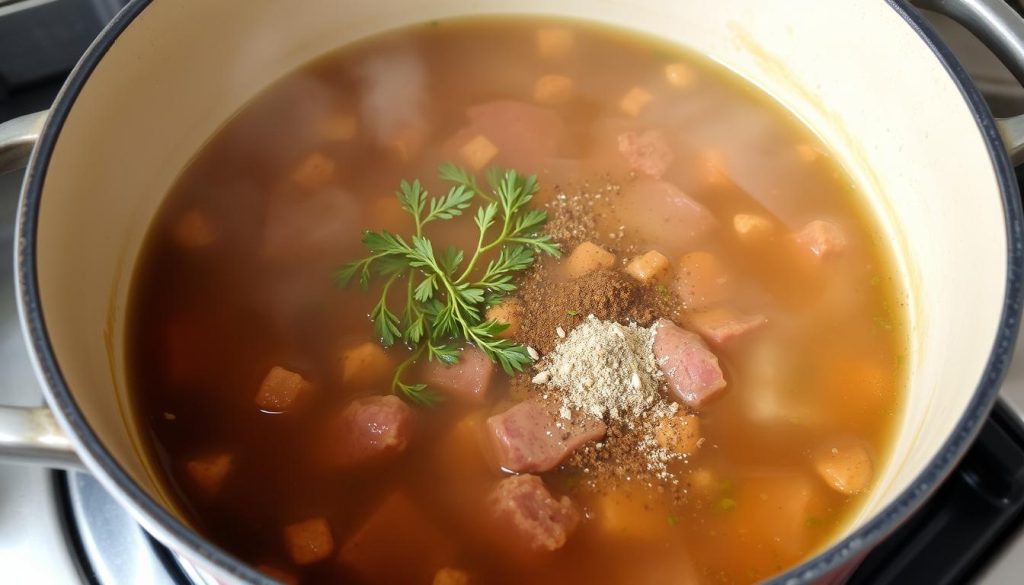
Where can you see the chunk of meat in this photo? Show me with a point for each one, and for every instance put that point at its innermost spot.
(314, 172)
(468, 379)
(308, 541)
(635, 101)
(845, 468)
(280, 389)
(679, 433)
(478, 152)
(397, 524)
(552, 89)
(752, 228)
(449, 576)
(507, 312)
(661, 215)
(587, 257)
(553, 43)
(525, 507)
(526, 135)
(702, 280)
(364, 365)
(193, 230)
(209, 473)
(648, 267)
(691, 369)
(722, 325)
(822, 238)
(530, 438)
(647, 152)
(679, 75)
(367, 429)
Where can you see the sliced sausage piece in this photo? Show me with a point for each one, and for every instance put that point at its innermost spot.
(822, 238)
(647, 153)
(530, 438)
(308, 541)
(846, 468)
(368, 429)
(692, 370)
(661, 214)
(722, 325)
(468, 379)
(525, 506)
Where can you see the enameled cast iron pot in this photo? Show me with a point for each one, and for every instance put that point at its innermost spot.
(869, 76)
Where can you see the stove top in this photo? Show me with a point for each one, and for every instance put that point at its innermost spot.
(63, 528)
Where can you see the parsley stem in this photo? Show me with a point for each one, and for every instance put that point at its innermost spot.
(396, 382)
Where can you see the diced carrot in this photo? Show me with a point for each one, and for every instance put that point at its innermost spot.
(631, 514)
(648, 267)
(193, 230)
(752, 228)
(478, 152)
(279, 574)
(340, 127)
(506, 312)
(821, 238)
(408, 141)
(364, 365)
(449, 576)
(208, 473)
(635, 100)
(679, 433)
(314, 172)
(554, 42)
(308, 541)
(588, 257)
(702, 280)
(280, 389)
(845, 468)
(552, 89)
(678, 74)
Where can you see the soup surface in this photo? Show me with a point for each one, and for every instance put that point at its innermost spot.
(672, 189)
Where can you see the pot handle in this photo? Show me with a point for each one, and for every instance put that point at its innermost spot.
(29, 435)
(1000, 29)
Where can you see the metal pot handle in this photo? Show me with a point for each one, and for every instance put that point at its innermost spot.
(29, 435)
(1000, 29)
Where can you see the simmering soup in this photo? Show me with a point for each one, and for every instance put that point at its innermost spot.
(516, 301)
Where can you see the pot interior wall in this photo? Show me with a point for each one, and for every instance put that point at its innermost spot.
(888, 109)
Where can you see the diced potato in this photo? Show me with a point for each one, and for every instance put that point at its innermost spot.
(752, 228)
(821, 238)
(449, 576)
(280, 389)
(553, 89)
(506, 312)
(364, 365)
(193, 230)
(555, 42)
(340, 127)
(314, 172)
(845, 468)
(702, 280)
(208, 473)
(278, 574)
(679, 433)
(631, 514)
(635, 100)
(648, 267)
(807, 152)
(308, 541)
(478, 152)
(678, 74)
(588, 257)
(713, 167)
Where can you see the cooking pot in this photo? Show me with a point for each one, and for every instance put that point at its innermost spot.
(870, 77)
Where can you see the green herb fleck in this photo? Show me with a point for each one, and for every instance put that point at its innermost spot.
(813, 522)
(446, 296)
(572, 313)
(673, 520)
(661, 290)
(727, 504)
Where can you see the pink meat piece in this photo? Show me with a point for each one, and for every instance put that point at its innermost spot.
(524, 507)
(822, 238)
(723, 325)
(647, 153)
(367, 429)
(530, 438)
(526, 135)
(657, 211)
(468, 379)
(692, 370)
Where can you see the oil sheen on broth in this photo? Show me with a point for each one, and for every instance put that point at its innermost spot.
(235, 281)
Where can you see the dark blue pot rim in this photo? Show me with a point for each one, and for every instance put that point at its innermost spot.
(848, 550)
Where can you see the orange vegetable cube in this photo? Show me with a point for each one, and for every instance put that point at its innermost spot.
(506, 312)
(807, 152)
(553, 89)
(308, 541)
(339, 128)
(364, 365)
(635, 100)
(193, 230)
(679, 433)
(845, 468)
(314, 172)
(478, 152)
(648, 267)
(280, 389)
(678, 74)
(554, 42)
(449, 576)
(752, 228)
(588, 257)
(208, 473)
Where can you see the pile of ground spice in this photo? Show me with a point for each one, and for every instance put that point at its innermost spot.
(573, 213)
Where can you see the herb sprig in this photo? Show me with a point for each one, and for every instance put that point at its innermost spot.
(447, 296)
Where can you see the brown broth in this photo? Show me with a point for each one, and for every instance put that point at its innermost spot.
(254, 290)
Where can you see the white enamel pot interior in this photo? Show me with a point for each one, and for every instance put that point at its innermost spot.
(893, 107)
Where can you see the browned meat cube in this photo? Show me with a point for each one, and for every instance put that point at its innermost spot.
(468, 379)
(208, 473)
(524, 506)
(308, 541)
(822, 238)
(530, 438)
(367, 429)
(692, 370)
(647, 153)
(722, 325)
(280, 389)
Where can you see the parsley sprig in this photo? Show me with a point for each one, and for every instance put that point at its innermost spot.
(446, 295)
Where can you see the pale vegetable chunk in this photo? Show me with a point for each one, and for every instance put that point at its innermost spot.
(314, 172)
(631, 514)
(635, 101)
(209, 473)
(678, 75)
(364, 365)
(449, 576)
(702, 280)
(588, 257)
(280, 389)
(822, 238)
(691, 370)
(478, 152)
(647, 152)
(308, 541)
(193, 230)
(530, 513)
(679, 433)
(713, 167)
(648, 267)
(339, 128)
(845, 468)
(752, 228)
(721, 325)
(553, 43)
(553, 89)
(468, 379)
(507, 312)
